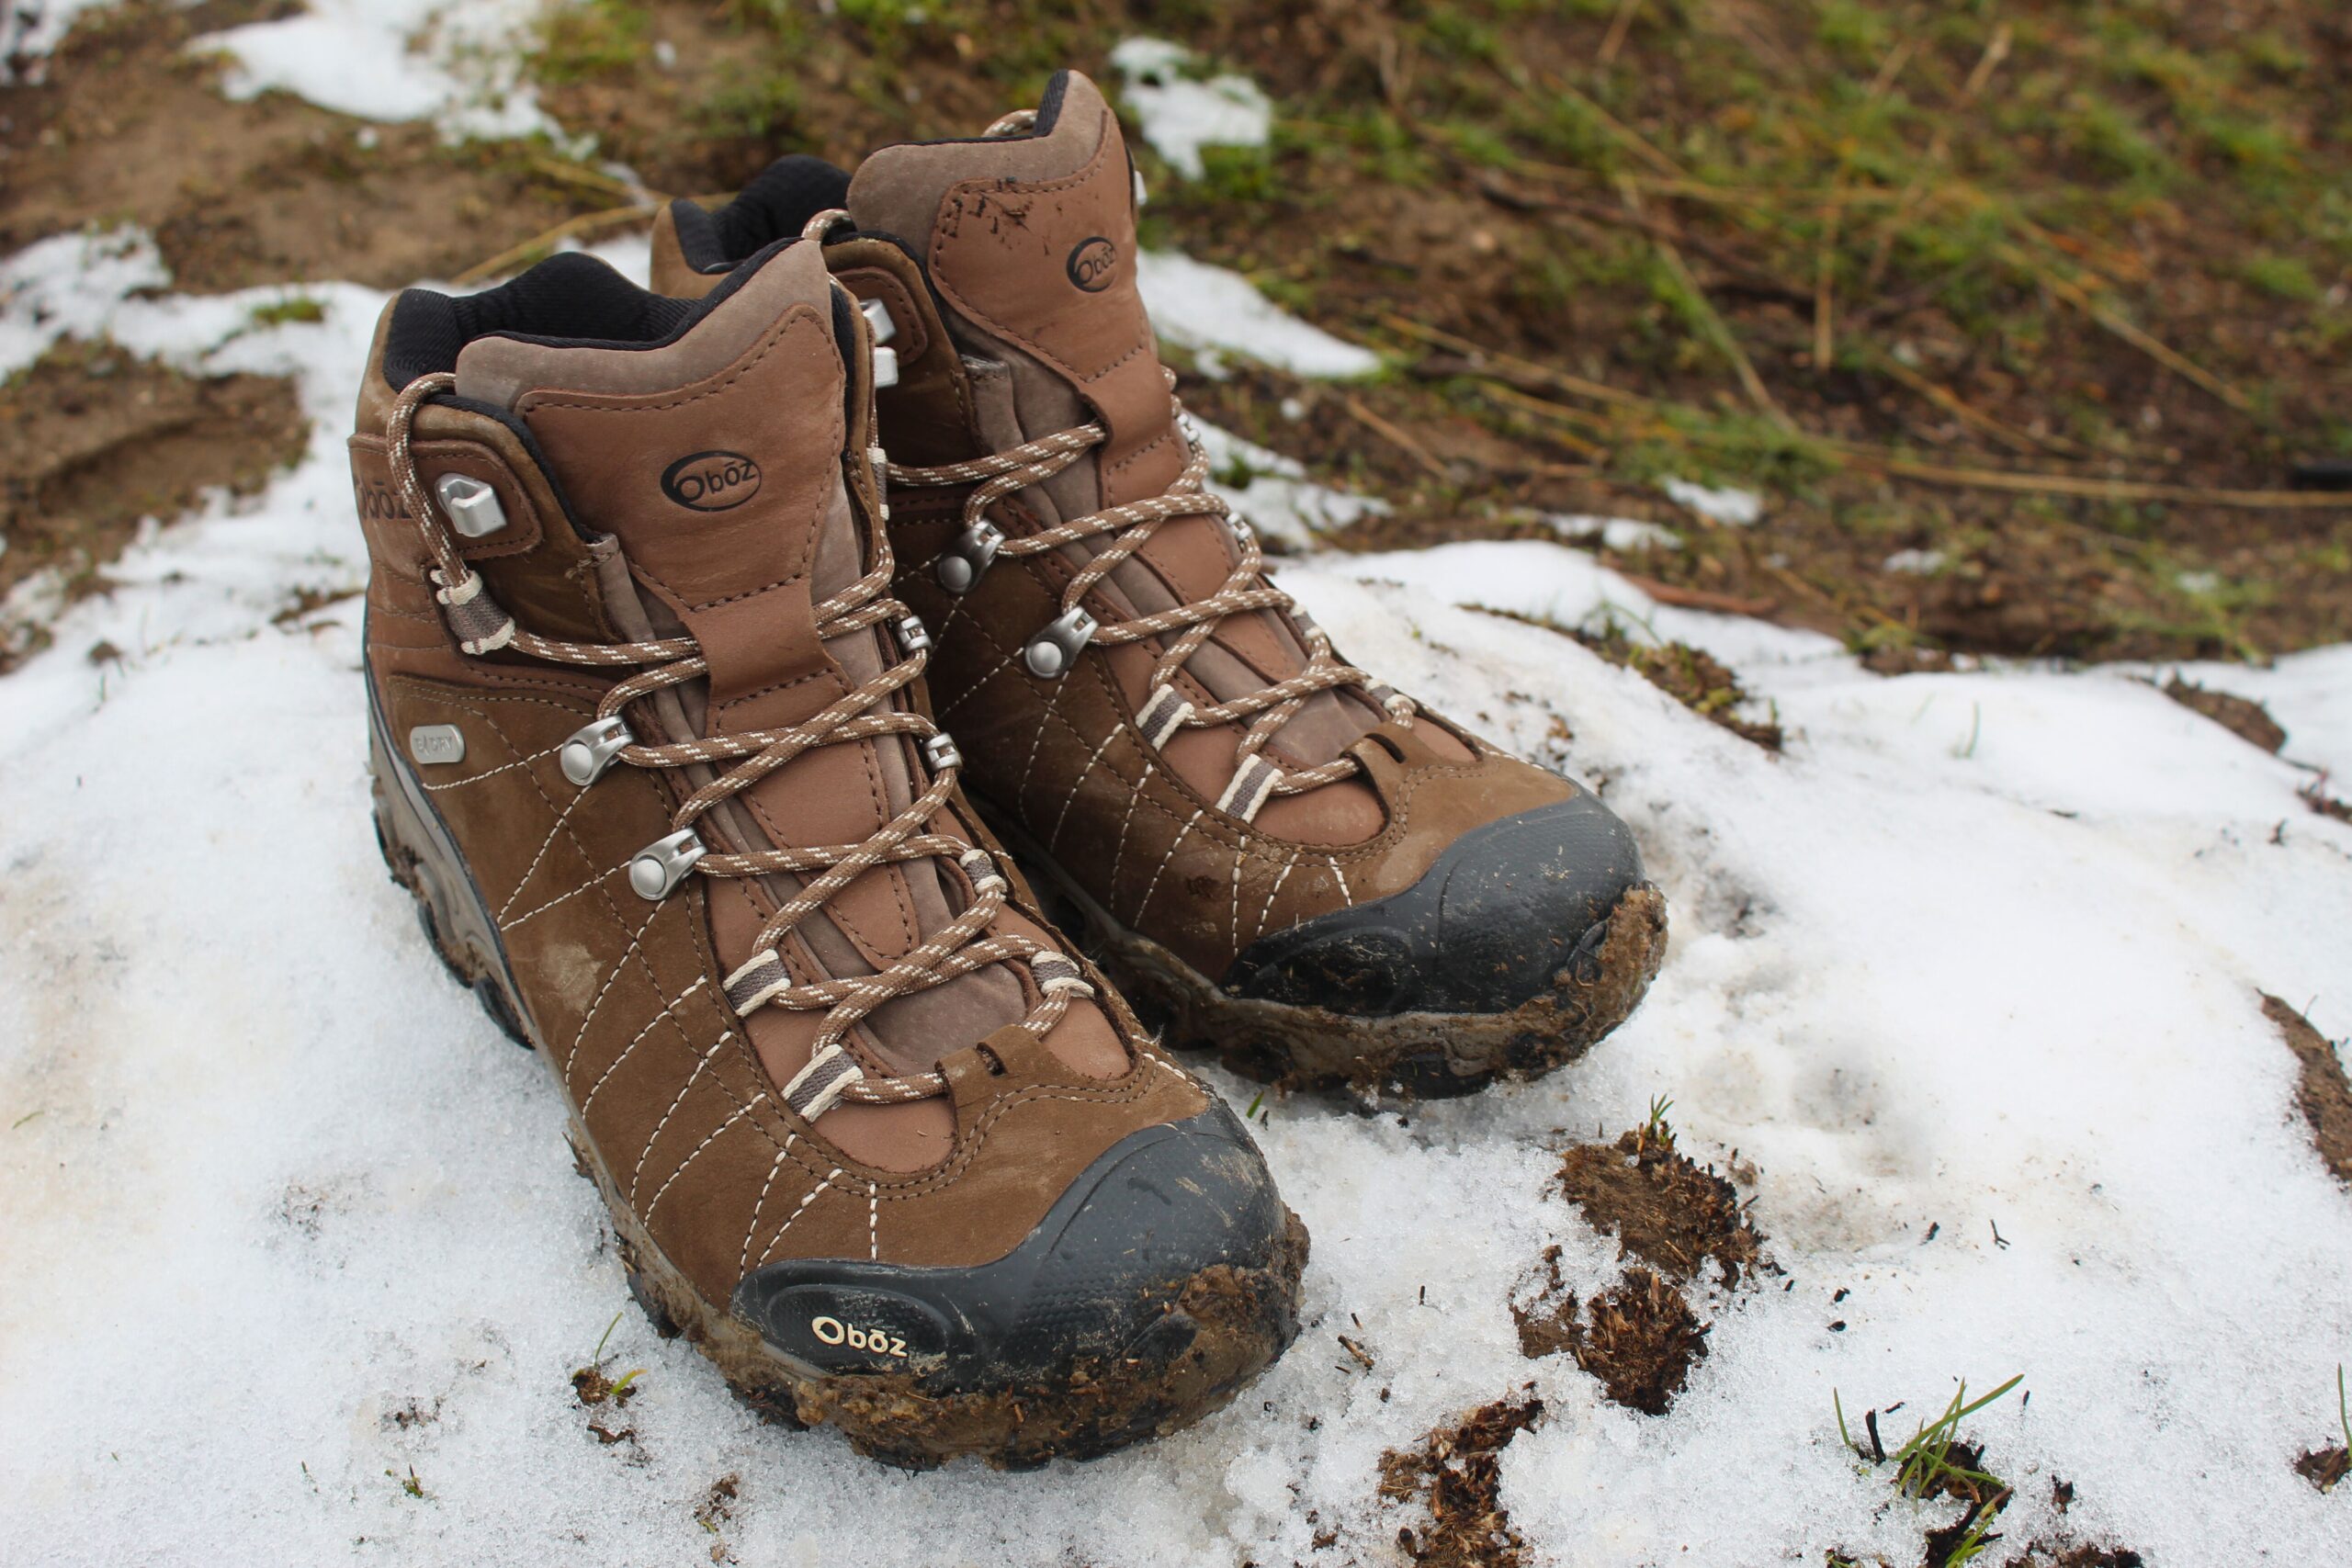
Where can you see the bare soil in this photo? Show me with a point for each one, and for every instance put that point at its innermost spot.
(2323, 1092)
(130, 128)
(2246, 719)
(93, 439)
(2325, 1468)
(1455, 1473)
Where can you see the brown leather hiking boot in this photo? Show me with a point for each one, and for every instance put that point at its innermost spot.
(651, 748)
(1277, 856)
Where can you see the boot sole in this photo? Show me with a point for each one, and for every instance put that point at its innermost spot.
(1405, 1055)
(1244, 1319)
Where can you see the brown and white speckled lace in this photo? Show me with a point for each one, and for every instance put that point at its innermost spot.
(1268, 709)
(483, 627)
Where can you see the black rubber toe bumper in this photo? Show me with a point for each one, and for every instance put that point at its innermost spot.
(1493, 923)
(1102, 1279)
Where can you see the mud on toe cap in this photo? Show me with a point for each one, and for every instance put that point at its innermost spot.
(1509, 911)
(1105, 1279)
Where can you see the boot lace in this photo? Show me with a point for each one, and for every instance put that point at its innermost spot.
(832, 1076)
(1255, 779)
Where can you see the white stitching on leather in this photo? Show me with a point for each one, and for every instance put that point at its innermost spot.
(667, 1009)
(1163, 862)
(590, 1016)
(1055, 837)
(776, 1240)
(1110, 889)
(744, 1263)
(492, 772)
(739, 1112)
(509, 925)
(545, 845)
(637, 1172)
(1288, 866)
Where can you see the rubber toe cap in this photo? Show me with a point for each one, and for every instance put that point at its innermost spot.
(1507, 910)
(1124, 1270)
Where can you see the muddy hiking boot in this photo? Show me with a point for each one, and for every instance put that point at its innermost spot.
(1278, 857)
(651, 750)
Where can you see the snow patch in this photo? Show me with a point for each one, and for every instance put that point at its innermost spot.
(1734, 508)
(456, 62)
(1272, 492)
(31, 31)
(1180, 112)
(1197, 306)
(1624, 535)
(1917, 563)
(70, 285)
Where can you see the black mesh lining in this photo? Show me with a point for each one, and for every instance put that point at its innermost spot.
(773, 206)
(569, 301)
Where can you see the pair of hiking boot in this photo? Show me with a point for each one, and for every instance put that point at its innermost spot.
(738, 651)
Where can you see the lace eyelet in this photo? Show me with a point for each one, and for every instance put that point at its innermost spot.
(1051, 651)
(655, 871)
(592, 748)
(959, 569)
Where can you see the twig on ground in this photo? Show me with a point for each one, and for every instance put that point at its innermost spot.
(1394, 436)
(1619, 26)
(2008, 435)
(570, 228)
(2155, 348)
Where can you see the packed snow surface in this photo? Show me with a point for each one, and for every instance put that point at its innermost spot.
(1183, 111)
(289, 1223)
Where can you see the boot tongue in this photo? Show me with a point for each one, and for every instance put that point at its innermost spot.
(1030, 241)
(715, 460)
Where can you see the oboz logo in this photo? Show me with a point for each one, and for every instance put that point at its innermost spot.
(377, 503)
(1089, 265)
(833, 1331)
(711, 482)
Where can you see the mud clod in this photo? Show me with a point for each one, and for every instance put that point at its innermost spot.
(1457, 1474)
(2324, 1094)
(2324, 1467)
(2246, 719)
(1640, 1342)
(1664, 1209)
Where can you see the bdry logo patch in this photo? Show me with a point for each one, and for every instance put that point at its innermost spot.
(1091, 263)
(711, 482)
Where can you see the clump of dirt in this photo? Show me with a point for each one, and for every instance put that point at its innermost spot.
(1456, 1473)
(1641, 1341)
(593, 1388)
(1638, 1339)
(2324, 1467)
(2324, 1094)
(93, 439)
(1663, 1208)
(2242, 717)
(2315, 795)
(1692, 676)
